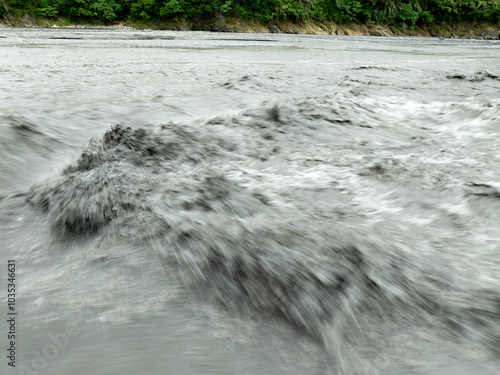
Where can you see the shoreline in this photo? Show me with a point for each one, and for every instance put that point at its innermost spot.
(461, 30)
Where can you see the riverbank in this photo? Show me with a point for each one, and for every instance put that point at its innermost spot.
(466, 30)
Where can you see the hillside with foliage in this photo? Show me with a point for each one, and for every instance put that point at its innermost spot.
(409, 12)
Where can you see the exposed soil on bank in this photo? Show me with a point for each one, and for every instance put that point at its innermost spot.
(236, 24)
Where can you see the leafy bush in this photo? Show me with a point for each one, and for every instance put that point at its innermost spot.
(49, 11)
(143, 9)
(19, 7)
(408, 15)
(105, 10)
(494, 14)
(3, 8)
(444, 9)
(425, 17)
(266, 11)
(342, 11)
(226, 7)
(89, 10)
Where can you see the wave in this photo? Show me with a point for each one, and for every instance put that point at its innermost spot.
(261, 212)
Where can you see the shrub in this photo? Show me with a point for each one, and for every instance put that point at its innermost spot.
(143, 9)
(341, 11)
(48, 11)
(105, 10)
(425, 17)
(410, 12)
(408, 15)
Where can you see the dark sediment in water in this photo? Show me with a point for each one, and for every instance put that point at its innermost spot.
(195, 195)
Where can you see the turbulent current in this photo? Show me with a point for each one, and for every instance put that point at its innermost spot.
(198, 203)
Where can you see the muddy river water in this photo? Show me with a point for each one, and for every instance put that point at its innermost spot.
(208, 203)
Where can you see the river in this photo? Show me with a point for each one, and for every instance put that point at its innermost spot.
(210, 203)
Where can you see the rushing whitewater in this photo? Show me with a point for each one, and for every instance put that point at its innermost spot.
(359, 216)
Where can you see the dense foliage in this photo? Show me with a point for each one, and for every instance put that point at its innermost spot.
(411, 12)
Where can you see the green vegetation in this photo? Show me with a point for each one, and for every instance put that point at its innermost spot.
(409, 12)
